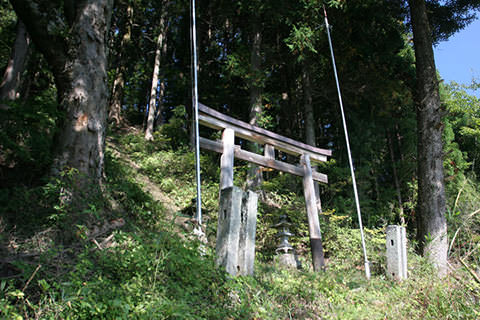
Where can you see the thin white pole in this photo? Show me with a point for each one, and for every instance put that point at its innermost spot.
(193, 35)
(352, 171)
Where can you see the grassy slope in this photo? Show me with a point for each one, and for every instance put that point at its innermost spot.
(152, 268)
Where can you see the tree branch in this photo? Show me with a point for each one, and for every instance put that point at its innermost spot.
(35, 15)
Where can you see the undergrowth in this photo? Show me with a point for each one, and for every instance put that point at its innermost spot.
(148, 268)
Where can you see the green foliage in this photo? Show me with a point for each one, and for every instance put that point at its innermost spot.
(26, 137)
(7, 31)
(462, 126)
(343, 244)
(124, 189)
(175, 130)
(301, 41)
(462, 129)
(454, 162)
(147, 276)
(463, 217)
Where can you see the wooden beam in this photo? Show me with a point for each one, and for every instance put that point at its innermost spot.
(214, 113)
(261, 160)
(247, 134)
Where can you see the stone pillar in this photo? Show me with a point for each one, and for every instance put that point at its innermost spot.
(396, 252)
(246, 246)
(228, 229)
(237, 221)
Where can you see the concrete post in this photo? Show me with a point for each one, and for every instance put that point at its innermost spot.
(396, 252)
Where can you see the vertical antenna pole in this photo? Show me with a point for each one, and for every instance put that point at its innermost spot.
(193, 36)
(357, 202)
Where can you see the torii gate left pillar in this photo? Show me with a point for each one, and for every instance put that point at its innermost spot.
(237, 217)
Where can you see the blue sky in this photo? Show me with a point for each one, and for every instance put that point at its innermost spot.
(458, 59)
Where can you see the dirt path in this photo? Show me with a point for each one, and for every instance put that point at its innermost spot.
(171, 209)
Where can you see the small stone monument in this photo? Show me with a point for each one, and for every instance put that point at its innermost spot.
(396, 252)
(285, 253)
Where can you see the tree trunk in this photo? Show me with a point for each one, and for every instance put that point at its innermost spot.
(152, 105)
(79, 65)
(431, 223)
(395, 178)
(115, 113)
(116, 100)
(308, 107)
(310, 136)
(82, 138)
(255, 179)
(16, 65)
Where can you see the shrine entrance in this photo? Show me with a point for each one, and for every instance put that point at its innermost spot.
(237, 211)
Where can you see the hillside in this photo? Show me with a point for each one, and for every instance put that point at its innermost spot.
(99, 113)
(136, 258)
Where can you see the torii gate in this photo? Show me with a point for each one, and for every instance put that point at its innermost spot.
(232, 127)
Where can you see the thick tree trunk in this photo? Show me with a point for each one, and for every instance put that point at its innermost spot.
(255, 178)
(432, 226)
(9, 88)
(82, 137)
(152, 106)
(79, 65)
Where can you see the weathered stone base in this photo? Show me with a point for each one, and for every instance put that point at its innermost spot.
(237, 220)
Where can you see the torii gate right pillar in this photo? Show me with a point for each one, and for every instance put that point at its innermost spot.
(312, 214)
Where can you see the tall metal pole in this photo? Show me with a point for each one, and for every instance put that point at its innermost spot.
(352, 171)
(193, 36)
